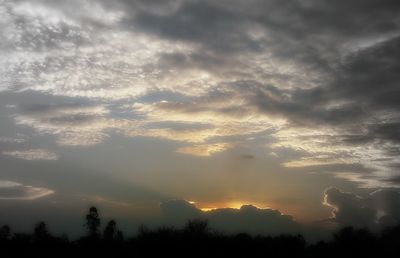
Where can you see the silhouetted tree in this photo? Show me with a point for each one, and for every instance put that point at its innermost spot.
(5, 233)
(21, 239)
(354, 241)
(196, 235)
(93, 222)
(143, 229)
(196, 227)
(111, 231)
(120, 236)
(41, 234)
(390, 241)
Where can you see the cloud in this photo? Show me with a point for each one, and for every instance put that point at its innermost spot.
(204, 149)
(11, 140)
(378, 209)
(247, 218)
(387, 202)
(319, 77)
(32, 154)
(349, 209)
(16, 191)
(74, 125)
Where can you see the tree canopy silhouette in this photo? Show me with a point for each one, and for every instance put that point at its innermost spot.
(5, 232)
(41, 233)
(111, 232)
(196, 238)
(93, 223)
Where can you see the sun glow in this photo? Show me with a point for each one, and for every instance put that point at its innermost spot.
(231, 205)
(206, 209)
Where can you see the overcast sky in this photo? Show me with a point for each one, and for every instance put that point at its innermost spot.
(165, 109)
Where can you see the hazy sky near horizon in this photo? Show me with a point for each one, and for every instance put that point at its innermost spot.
(291, 106)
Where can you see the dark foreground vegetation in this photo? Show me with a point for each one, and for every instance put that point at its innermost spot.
(194, 240)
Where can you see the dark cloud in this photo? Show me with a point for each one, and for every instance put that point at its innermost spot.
(246, 219)
(308, 32)
(387, 202)
(387, 131)
(349, 209)
(212, 25)
(336, 168)
(248, 156)
(179, 211)
(379, 209)
(370, 76)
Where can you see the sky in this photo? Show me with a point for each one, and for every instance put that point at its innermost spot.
(261, 116)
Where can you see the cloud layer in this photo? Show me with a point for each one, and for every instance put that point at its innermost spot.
(32, 154)
(323, 80)
(16, 191)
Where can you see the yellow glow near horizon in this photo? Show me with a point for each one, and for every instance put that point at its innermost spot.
(231, 205)
(205, 209)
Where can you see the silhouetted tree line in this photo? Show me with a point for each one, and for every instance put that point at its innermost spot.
(195, 239)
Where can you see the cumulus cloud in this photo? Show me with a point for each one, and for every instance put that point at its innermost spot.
(247, 218)
(378, 209)
(349, 209)
(32, 154)
(10, 190)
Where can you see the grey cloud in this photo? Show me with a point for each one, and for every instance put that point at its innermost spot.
(301, 107)
(246, 219)
(180, 126)
(224, 26)
(201, 22)
(32, 154)
(349, 209)
(322, 17)
(376, 65)
(379, 209)
(196, 19)
(308, 111)
(178, 211)
(314, 64)
(336, 168)
(370, 76)
(16, 191)
(387, 201)
(75, 125)
(386, 131)
(394, 180)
